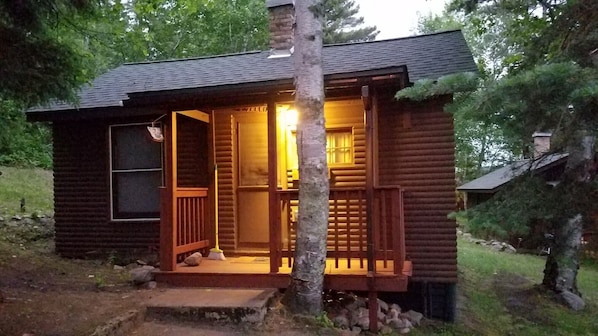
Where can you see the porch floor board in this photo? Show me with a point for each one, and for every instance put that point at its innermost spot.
(261, 265)
(254, 272)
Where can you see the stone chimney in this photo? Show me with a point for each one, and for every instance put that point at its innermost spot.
(282, 20)
(541, 143)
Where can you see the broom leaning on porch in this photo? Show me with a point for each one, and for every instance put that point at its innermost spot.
(215, 253)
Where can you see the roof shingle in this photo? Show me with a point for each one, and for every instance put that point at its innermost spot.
(426, 56)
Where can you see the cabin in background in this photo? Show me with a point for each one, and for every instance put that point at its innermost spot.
(391, 166)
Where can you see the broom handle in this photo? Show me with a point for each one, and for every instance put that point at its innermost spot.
(216, 203)
(215, 178)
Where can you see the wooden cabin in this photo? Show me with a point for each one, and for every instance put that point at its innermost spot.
(117, 190)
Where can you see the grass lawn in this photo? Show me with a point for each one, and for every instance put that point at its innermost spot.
(498, 296)
(497, 291)
(33, 185)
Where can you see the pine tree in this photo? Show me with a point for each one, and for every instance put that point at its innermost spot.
(341, 23)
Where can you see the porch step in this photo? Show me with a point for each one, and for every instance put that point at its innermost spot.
(211, 304)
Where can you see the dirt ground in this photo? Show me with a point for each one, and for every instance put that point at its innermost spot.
(42, 294)
(277, 322)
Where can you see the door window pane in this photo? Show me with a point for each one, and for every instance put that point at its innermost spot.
(253, 154)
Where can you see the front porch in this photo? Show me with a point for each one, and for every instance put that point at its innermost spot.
(354, 261)
(256, 205)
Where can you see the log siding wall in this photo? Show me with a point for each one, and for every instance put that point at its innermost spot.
(224, 147)
(416, 150)
(82, 194)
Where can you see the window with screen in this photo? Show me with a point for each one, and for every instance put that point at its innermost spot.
(136, 173)
(339, 147)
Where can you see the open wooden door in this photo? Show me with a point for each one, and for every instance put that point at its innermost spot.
(252, 180)
(184, 211)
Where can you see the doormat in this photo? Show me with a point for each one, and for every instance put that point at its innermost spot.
(251, 260)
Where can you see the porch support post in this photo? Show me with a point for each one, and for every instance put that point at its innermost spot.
(373, 309)
(167, 227)
(369, 199)
(273, 203)
(369, 177)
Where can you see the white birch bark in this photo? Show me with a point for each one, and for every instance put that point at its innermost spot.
(304, 294)
(560, 272)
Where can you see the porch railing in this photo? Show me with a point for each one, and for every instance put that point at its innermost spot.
(183, 221)
(347, 227)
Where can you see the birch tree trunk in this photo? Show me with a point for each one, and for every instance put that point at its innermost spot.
(304, 294)
(562, 264)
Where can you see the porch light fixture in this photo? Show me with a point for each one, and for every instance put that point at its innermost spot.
(156, 131)
(289, 116)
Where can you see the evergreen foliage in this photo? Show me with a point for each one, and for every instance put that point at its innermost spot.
(549, 83)
(341, 23)
(37, 62)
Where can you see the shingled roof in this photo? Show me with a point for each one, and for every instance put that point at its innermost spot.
(494, 180)
(425, 56)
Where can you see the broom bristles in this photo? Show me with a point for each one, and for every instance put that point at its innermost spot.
(216, 254)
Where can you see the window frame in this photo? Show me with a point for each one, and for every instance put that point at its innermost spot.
(112, 171)
(292, 134)
(339, 129)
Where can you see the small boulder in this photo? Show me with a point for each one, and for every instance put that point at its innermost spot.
(400, 323)
(149, 285)
(510, 248)
(392, 314)
(194, 259)
(341, 321)
(118, 267)
(572, 300)
(363, 322)
(142, 274)
(414, 317)
(385, 330)
(360, 318)
(356, 330)
(382, 306)
(358, 302)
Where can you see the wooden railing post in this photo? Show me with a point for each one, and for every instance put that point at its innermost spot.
(167, 235)
(402, 248)
(273, 201)
(396, 234)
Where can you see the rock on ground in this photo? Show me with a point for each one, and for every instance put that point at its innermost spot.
(142, 274)
(572, 300)
(194, 259)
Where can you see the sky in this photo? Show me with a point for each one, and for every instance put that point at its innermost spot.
(396, 18)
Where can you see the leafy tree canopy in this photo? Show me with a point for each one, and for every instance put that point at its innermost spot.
(36, 62)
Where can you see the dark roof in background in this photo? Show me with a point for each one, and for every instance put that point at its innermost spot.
(426, 56)
(491, 181)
